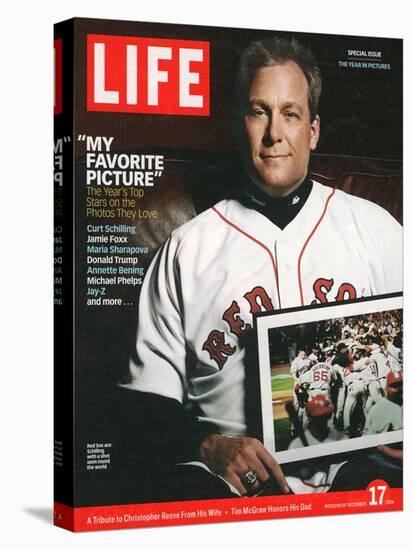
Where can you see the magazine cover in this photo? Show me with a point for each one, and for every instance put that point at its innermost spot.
(228, 274)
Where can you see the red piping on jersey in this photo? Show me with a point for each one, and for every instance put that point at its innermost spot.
(256, 241)
(306, 243)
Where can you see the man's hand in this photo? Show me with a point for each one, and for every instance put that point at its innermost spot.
(233, 457)
(392, 453)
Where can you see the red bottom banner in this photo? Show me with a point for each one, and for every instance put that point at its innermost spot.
(378, 497)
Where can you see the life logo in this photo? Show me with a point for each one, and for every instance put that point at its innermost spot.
(162, 76)
(58, 86)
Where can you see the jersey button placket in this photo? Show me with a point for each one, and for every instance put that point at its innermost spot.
(283, 256)
(277, 291)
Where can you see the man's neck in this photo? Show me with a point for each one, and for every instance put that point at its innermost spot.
(281, 210)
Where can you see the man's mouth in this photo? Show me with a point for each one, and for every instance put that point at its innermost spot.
(269, 156)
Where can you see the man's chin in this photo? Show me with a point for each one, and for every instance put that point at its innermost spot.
(277, 187)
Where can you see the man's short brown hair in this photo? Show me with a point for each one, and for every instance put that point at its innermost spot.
(277, 51)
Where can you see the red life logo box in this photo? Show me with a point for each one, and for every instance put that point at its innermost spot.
(148, 75)
(57, 59)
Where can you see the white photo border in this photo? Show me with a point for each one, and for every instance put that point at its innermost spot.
(295, 316)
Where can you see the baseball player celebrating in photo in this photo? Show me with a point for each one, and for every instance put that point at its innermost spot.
(341, 361)
(380, 357)
(300, 364)
(319, 478)
(298, 367)
(319, 409)
(387, 414)
(394, 354)
(357, 378)
(320, 377)
(316, 380)
(283, 241)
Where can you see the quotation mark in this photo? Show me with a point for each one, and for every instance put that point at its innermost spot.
(66, 139)
(81, 137)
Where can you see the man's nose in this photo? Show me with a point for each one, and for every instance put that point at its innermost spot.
(273, 132)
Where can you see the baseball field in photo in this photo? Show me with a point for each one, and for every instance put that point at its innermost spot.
(282, 392)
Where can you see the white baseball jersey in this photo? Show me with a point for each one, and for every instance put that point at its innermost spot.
(367, 368)
(395, 357)
(370, 374)
(384, 416)
(356, 378)
(311, 480)
(383, 365)
(214, 272)
(319, 377)
(299, 365)
(356, 386)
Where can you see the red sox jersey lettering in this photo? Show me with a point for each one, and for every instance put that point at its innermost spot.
(218, 350)
(215, 344)
(322, 287)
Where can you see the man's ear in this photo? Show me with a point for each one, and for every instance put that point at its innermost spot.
(315, 132)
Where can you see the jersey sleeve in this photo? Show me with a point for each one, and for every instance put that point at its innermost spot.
(159, 363)
(392, 254)
(384, 241)
(368, 426)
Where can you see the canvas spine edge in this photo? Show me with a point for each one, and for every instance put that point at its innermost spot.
(64, 295)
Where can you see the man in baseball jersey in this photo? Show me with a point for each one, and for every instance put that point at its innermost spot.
(320, 378)
(380, 357)
(267, 247)
(316, 380)
(314, 355)
(393, 347)
(299, 365)
(319, 477)
(319, 409)
(357, 378)
(341, 361)
(387, 414)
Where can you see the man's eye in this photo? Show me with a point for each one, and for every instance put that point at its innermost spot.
(291, 114)
(258, 113)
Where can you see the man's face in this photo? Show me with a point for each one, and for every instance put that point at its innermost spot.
(395, 392)
(279, 132)
(320, 422)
